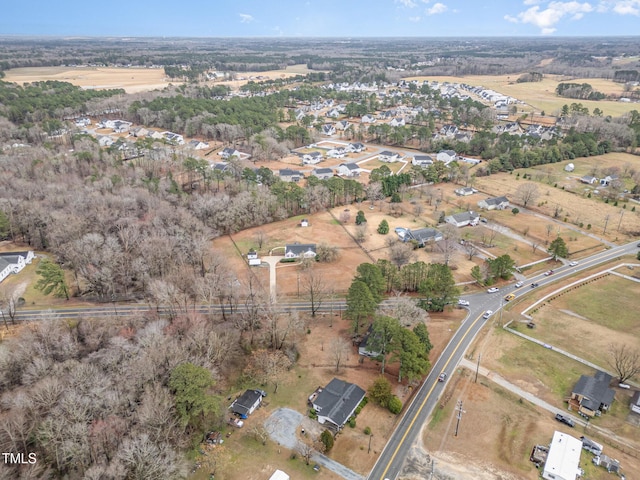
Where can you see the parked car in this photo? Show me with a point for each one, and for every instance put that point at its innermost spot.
(463, 303)
(483, 220)
(548, 272)
(573, 264)
(534, 284)
(531, 325)
(566, 420)
(519, 284)
(487, 314)
(493, 290)
(442, 377)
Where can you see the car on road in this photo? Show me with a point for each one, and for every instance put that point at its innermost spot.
(493, 290)
(519, 284)
(566, 420)
(546, 345)
(638, 245)
(463, 303)
(573, 264)
(548, 272)
(487, 314)
(509, 297)
(442, 377)
(534, 284)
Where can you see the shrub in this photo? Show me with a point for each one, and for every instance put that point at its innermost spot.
(352, 422)
(313, 415)
(515, 210)
(360, 218)
(367, 430)
(380, 391)
(327, 440)
(395, 405)
(383, 228)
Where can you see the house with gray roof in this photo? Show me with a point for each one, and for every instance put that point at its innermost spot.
(246, 404)
(349, 169)
(289, 175)
(337, 402)
(422, 236)
(422, 160)
(635, 402)
(322, 173)
(495, 203)
(463, 219)
(592, 395)
(300, 250)
(14, 262)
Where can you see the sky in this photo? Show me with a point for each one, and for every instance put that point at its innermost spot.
(321, 18)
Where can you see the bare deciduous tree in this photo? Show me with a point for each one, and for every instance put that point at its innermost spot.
(314, 284)
(448, 245)
(399, 253)
(624, 360)
(339, 350)
(527, 193)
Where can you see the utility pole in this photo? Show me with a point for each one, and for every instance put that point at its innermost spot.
(606, 221)
(458, 416)
(370, 437)
(477, 369)
(620, 222)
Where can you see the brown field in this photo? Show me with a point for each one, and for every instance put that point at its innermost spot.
(132, 80)
(575, 209)
(541, 96)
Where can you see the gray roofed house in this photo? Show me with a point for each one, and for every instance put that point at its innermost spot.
(387, 156)
(14, 262)
(463, 219)
(322, 173)
(348, 169)
(464, 191)
(297, 250)
(635, 402)
(337, 402)
(496, 203)
(422, 236)
(246, 404)
(289, 175)
(592, 395)
(229, 152)
(422, 160)
(588, 179)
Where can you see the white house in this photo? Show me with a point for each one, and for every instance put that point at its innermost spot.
(588, 179)
(312, 158)
(342, 125)
(322, 173)
(349, 169)
(389, 157)
(198, 145)
(328, 129)
(465, 191)
(446, 156)
(356, 147)
(279, 475)
(338, 152)
(397, 122)
(336, 402)
(422, 160)
(368, 119)
(289, 175)
(463, 219)
(173, 138)
(496, 203)
(229, 152)
(247, 403)
(14, 262)
(635, 402)
(298, 250)
(563, 460)
(105, 140)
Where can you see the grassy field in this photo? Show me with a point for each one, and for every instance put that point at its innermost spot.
(541, 96)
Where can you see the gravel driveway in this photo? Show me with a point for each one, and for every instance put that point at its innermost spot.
(283, 427)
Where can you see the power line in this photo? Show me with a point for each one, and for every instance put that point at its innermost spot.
(458, 416)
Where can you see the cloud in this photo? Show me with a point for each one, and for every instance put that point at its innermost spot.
(246, 18)
(415, 19)
(410, 3)
(436, 9)
(546, 19)
(621, 7)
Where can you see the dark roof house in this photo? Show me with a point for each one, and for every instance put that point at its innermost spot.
(422, 236)
(297, 250)
(337, 401)
(592, 395)
(246, 404)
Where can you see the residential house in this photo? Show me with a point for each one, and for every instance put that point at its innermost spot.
(389, 157)
(588, 179)
(356, 147)
(397, 122)
(342, 125)
(463, 219)
(496, 203)
(337, 152)
(446, 156)
(592, 395)
(422, 160)
(246, 404)
(364, 348)
(449, 130)
(368, 119)
(465, 191)
(422, 236)
(333, 113)
(312, 158)
(289, 175)
(173, 138)
(322, 173)
(606, 181)
(198, 145)
(563, 459)
(139, 132)
(328, 129)
(229, 152)
(82, 122)
(221, 167)
(252, 258)
(464, 137)
(349, 169)
(337, 402)
(105, 140)
(279, 475)
(14, 262)
(121, 126)
(635, 402)
(300, 250)
(611, 465)
(156, 135)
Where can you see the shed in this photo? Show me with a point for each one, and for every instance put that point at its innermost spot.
(563, 460)
(279, 475)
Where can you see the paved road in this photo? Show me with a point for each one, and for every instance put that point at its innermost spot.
(390, 462)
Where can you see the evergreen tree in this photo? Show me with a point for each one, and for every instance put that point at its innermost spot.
(360, 218)
(52, 279)
(501, 267)
(360, 303)
(383, 228)
(189, 384)
(558, 248)
(371, 274)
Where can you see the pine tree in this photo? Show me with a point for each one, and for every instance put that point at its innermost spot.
(52, 279)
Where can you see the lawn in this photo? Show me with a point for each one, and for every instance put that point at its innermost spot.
(375, 163)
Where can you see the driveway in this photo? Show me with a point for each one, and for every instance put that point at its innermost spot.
(283, 427)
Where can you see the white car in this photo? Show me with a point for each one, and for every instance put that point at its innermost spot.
(573, 264)
(519, 284)
(463, 303)
(493, 290)
(487, 314)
